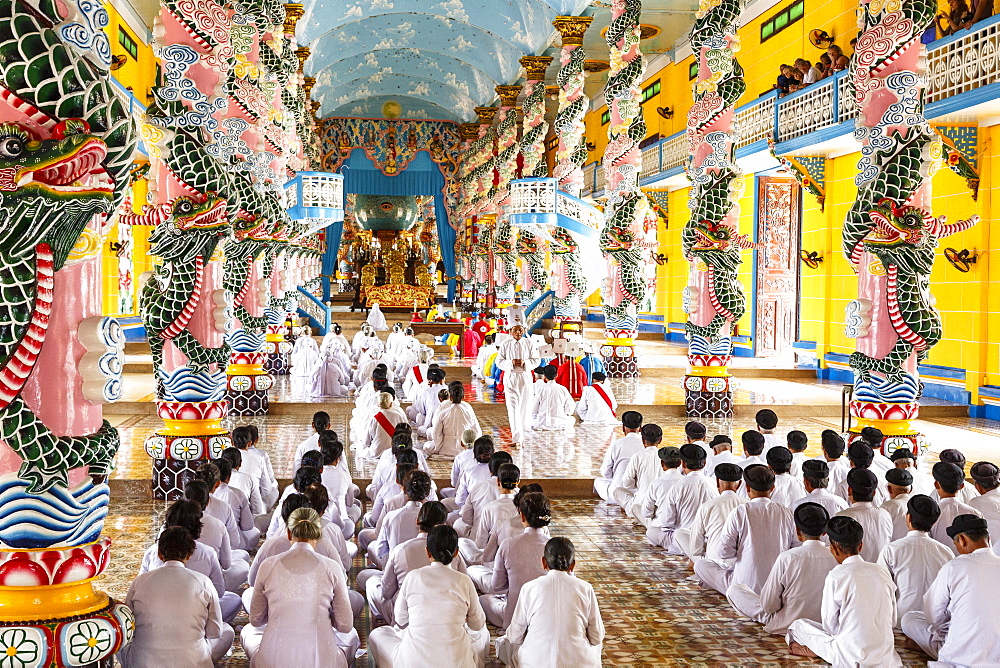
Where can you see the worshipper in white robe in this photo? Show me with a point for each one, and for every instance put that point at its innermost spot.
(363, 340)
(861, 456)
(720, 451)
(518, 560)
(556, 622)
(797, 444)
(257, 464)
(219, 509)
(789, 593)
(475, 470)
(597, 404)
(238, 503)
(553, 406)
(390, 498)
(214, 535)
(517, 357)
(367, 361)
(421, 412)
(986, 477)
(439, 621)
(382, 587)
(959, 624)
(381, 427)
(815, 479)
(904, 459)
(876, 522)
(319, 500)
(753, 448)
(480, 495)
(385, 468)
(683, 499)
(949, 480)
(395, 340)
(309, 473)
(330, 379)
(416, 375)
(787, 490)
(300, 614)
(243, 482)
(899, 485)
(305, 358)
(767, 422)
(176, 611)
(338, 486)
(408, 357)
(320, 422)
(376, 319)
(450, 424)
(655, 504)
(187, 515)
(482, 357)
(702, 540)
(833, 454)
(459, 465)
(642, 469)
(617, 455)
(754, 535)
(858, 608)
(334, 336)
(499, 512)
(400, 525)
(914, 560)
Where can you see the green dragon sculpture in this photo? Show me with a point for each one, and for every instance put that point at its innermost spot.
(50, 189)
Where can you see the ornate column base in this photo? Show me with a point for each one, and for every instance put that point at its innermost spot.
(895, 421)
(708, 388)
(193, 435)
(53, 616)
(618, 353)
(278, 349)
(247, 384)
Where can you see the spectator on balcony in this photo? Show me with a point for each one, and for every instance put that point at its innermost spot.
(807, 73)
(787, 80)
(958, 17)
(837, 58)
(825, 65)
(981, 10)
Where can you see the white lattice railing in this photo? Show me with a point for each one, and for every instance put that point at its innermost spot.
(964, 61)
(807, 110)
(755, 121)
(650, 161)
(532, 196)
(600, 179)
(675, 151)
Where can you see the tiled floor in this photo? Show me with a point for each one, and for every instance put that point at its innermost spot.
(654, 614)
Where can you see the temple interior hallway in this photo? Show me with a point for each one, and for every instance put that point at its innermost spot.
(654, 614)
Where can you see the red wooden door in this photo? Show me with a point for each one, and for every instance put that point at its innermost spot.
(776, 301)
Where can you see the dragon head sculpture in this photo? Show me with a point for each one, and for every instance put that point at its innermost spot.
(194, 228)
(562, 242)
(50, 188)
(902, 235)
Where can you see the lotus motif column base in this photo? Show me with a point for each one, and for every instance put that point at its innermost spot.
(193, 434)
(247, 384)
(278, 348)
(895, 421)
(619, 356)
(89, 637)
(708, 388)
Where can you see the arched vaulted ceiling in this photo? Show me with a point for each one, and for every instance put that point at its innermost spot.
(437, 58)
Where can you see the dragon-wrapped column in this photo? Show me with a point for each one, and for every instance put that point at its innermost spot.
(629, 232)
(713, 299)
(889, 234)
(505, 239)
(278, 334)
(67, 150)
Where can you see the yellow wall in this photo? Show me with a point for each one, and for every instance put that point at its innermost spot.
(139, 74)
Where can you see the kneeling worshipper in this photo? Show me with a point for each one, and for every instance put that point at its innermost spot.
(554, 407)
(306, 362)
(754, 535)
(416, 375)
(486, 351)
(438, 619)
(335, 335)
(858, 607)
(424, 399)
(597, 404)
(332, 377)
(176, 610)
(986, 476)
(557, 621)
(382, 426)
(790, 590)
(960, 621)
(683, 499)
(617, 456)
(300, 613)
(450, 424)
(363, 340)
(376, 319)
(571, 374)
(702, 539)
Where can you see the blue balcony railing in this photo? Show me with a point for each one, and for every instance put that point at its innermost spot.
(963, 71)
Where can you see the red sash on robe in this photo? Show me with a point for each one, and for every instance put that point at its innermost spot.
(418, 375)
(604, 395)
(385, 424)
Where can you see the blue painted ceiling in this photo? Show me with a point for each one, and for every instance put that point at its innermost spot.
(442, 58)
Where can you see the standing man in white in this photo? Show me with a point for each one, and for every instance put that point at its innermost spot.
(517, 357)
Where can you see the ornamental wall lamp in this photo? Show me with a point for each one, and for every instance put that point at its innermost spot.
(811, 259)
(665, 112)
(591, 146)
(961, 260)
(660, 258)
